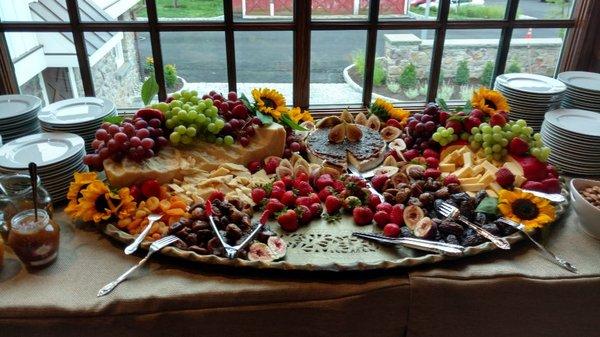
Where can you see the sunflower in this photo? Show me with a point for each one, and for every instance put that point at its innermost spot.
(399, 114)
(96, 204)
(385, 110)
(525, 208)
(127, 205)
(489, 101)
(270, 102)
(80, 182)
(297, 115)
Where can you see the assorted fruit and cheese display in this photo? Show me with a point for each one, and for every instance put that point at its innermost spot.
(262, 162)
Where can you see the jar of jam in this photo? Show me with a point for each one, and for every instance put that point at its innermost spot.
(34, 242)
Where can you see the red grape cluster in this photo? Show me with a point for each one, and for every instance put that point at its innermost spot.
(421, 126)
(293, 143)
(239, 124)
(136, 139)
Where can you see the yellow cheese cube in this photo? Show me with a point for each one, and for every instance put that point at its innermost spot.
(464, 172)
(447, 167)
(489, 167)
(477, 169)
(471, 194)
(467, 158)
(472, 187)
(491, 193)
(451, 157)
(519, 180)
(471, 180)
(487, 178)
(495, 187)
(515, 168)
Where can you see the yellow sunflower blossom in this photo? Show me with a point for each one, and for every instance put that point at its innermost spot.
(81, 181)
(399, 114)
(127, 205)
(270, 102)
(525, 208)
(386, 110)
(297, 115)
(489, 101)
(96, 204)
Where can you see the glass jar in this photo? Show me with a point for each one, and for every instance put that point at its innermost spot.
(16, 196)
(1, 253)
(35, 242)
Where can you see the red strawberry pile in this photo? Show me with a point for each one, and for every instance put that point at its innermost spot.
(540, 176)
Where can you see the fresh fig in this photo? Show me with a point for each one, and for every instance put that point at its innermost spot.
(353, 133)
(360, 119)
(397, 144)
(373, 123)
(347, 117)
(390, 133)
(328, 122)
(284, 171)
(278, 247)
(425, 228)
(412, 215)
(337, 134)
(399, 178)
(390, 161)
(387, 170)
(258, 251)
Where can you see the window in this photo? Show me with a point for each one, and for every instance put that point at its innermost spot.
(316, 52)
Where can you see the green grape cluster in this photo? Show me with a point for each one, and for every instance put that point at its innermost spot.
(493, 141)
(444, 136)
(189, 117)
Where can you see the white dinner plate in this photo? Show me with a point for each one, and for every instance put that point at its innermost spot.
(578, 121)
(76, 111)
(531, 83)
(43, 149)
(583, 80)
(16, 105)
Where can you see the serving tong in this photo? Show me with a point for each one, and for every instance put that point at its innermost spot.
(230, 251)
(420, 244)
(355, 172)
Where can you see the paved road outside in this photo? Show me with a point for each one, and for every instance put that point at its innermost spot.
(267, 56)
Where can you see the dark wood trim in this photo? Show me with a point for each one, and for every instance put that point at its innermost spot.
(438, 51)
(230, 45)
(80, 48)
(370, 51)
(8, 79)
(505, 37)
(301, 75)
(581, 50)
(156, 49)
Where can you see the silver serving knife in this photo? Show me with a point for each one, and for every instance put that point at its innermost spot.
(554, 197)
(420, 244)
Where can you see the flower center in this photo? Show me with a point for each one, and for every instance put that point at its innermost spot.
(491, 104)
(269, 103)
(525, 209)
(101, 204)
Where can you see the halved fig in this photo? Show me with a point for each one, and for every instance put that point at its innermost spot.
(328, 121)
(294, 158)
(331, 169)
(398, 144)
(278, 247)
(399, 178)
(284, 171)
(374, 123)
(353, 132)
(414, 171)
(412, 215)
(347, 117)
(258, 251)
(387, 170)
(361, 119)
(337, 134)
(390, 161)
(425, 228)
(390, 133)
(286, 163)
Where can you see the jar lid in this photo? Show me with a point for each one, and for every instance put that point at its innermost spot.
(28, 215)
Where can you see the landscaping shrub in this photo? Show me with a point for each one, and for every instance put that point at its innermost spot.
(149, 65)
(393, 87)
(514, 67)
(412, 93)
(466, 92)
(359, 62)
(462, 73)
(486, 75)
(423, 89)
(170, 75)
(408, 78)
(379, 73)
(445, 91)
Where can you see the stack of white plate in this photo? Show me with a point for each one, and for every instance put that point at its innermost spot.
(82, 116)
(57, 155)
(573, 136)
(530, 96)
(583, 90)
(18, 116)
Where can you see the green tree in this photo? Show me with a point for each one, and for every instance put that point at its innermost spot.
(462, 73)
(170, 75)
(486, 75)
(408, 78)
(514, 67)
(379, 73)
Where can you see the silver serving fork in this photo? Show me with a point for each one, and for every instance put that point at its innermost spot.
(152, 218)
(450, 211)
(355, 172)
(230, 251)
(519, 226)
(420, 244)
(154, 247)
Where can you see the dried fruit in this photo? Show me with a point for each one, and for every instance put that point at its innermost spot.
(414, 171)
(337, 134)
(398, 145)
(374, 123)
(425, 228)
(390, 161)
(361, 119)
(399, 178)
(258, 251)
(353, 132)
(412, 215)
(389, 133)
(277, 246)
(426, 198)
(386, 170)
(451, 227)
(346, 116)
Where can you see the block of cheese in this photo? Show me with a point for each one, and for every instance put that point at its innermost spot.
(175, 163)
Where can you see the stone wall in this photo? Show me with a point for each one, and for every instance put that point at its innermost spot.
(536, 55)
(33, 87)
(120, 85)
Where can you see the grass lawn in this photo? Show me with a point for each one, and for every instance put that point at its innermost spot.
(467, 12)
(186, 9)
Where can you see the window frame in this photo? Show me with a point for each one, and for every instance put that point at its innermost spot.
(579, 29)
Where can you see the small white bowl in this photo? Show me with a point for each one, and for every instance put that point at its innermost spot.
(589, 215)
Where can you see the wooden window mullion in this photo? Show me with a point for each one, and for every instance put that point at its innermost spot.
(301, 72)
(505, 37)
(156, 49)
(438, 50)
(230, 44)
(370, 52)
(80, 48)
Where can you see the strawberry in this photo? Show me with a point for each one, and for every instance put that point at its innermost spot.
(303, 176)
(432, 173)
(551, 171)
(373, 200)
(217, 195)
(471, 122)
(477, 114)
(379, 181)
(254, 166)
(303, 201)
(451, 179)
(410, 154)
(274, 205)
(518, 146)
(271, 164)
(279, 184)
(316, 209)
(338, 186)
(533, 169)
(303, 187)
(497, 119)
(381, 218)
(287, 181)
(455, 125)
(304, 214)
(419, 160)
(351, 202)
(432, 162)
(258, 194)
(394, 122)
(149, 113)
(551, 185)
(533, 185)
(505, 178)
(264, 217)
(443, 117)
(135, 192)
(362, 215)
(391, 230)
(277, 192)
(314, 198)
(395, 154)
(288, 220)
(288, 198)
(332, 204)
(503, 114)
(324, 193)
(323, 181)
(397, 214)
(431, 153)
(151, 188)
(384, 206)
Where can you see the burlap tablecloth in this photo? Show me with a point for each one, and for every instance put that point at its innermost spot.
(516, 293)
